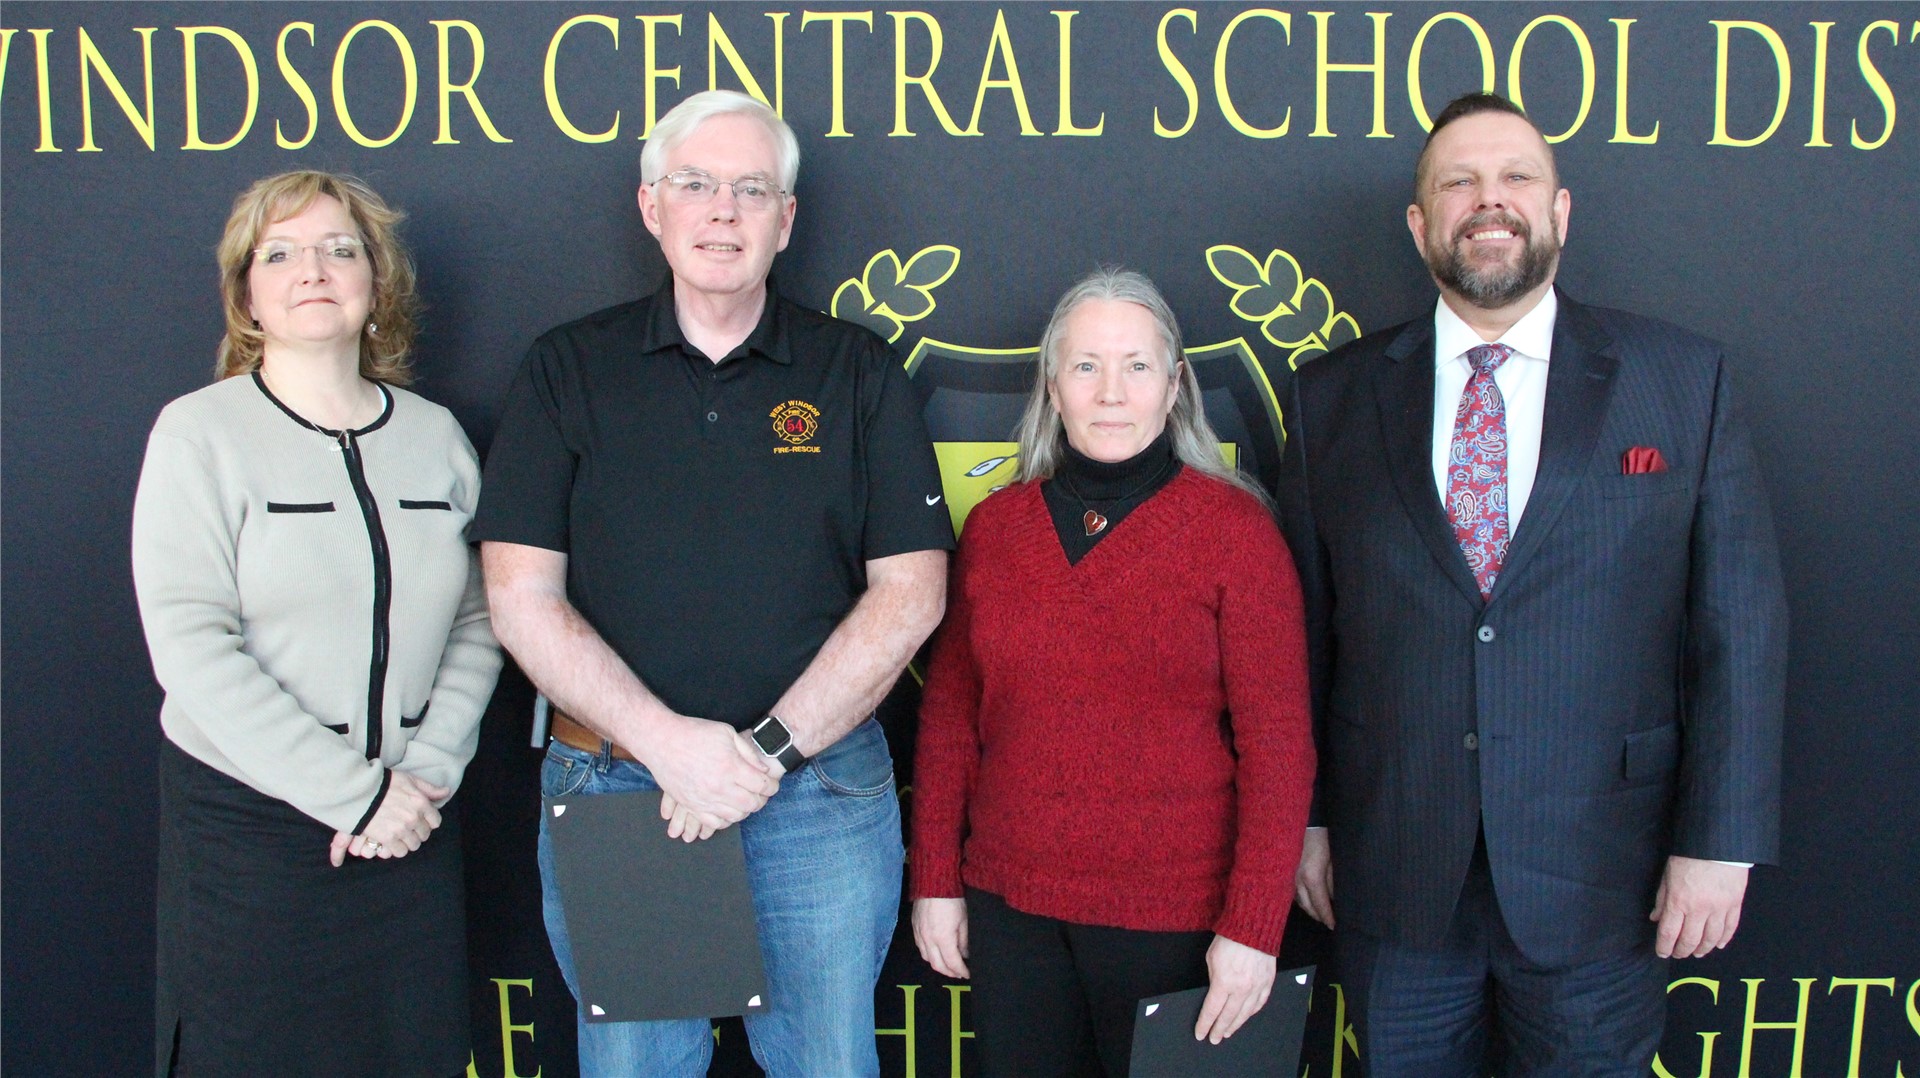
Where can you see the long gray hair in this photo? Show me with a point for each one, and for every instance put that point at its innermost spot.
(1041, 435)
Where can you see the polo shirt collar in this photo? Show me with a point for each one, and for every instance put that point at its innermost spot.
(768, 339)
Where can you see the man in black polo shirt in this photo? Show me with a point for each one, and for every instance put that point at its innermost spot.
(713, 536)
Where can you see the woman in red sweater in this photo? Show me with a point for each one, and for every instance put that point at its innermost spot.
(1115, 755)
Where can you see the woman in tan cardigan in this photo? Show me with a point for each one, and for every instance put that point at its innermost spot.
(315, 616)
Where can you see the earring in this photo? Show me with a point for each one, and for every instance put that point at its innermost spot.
(256, 323)
(373, 329)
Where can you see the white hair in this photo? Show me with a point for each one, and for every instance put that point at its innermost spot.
(680, 122)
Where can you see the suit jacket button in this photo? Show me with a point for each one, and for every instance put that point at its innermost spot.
(1472, 741)
(1484, 634)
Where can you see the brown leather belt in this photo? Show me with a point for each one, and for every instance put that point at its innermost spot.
(572, 734)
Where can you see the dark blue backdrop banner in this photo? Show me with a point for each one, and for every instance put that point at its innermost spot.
(1749, 170)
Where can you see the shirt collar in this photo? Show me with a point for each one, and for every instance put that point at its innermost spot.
(1531, 337)
(768, 339)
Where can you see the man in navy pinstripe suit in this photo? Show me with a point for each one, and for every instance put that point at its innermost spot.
(1548, 639)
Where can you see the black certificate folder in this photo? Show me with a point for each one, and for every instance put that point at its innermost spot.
(1268, 1044)
(660, 928)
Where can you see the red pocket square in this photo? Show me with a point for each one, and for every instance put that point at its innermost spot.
(1642, 460)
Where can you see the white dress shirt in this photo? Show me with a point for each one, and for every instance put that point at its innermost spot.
(1523, 386)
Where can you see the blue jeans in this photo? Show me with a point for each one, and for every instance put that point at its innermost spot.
(824, 859)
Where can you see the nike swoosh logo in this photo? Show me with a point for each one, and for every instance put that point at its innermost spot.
(933, 499)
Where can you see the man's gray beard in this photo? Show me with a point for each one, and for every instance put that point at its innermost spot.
(1494, 287)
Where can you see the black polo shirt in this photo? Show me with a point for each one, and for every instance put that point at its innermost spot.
(717, 517)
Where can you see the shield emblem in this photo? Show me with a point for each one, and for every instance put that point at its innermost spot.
(973, 398)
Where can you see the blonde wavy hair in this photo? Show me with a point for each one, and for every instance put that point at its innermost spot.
(384, 354)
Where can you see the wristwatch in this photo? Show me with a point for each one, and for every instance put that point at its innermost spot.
(776, 740)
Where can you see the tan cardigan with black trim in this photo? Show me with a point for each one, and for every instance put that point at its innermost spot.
(294, 582)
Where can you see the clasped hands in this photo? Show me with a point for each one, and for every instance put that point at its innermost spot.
(408, 813)
(711, 776)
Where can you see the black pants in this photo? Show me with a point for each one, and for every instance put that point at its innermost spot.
(1475, 1005)
(1055, 998)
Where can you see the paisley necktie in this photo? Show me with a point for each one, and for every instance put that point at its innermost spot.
(1477, 468)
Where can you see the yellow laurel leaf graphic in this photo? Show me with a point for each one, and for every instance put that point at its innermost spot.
(850, 300)
(1234, 266)
(1254, 297)
(1282, 273)
(1313, 309)
(887, 294)
(1293, 311)
(852, 303)
(882, 268)
(930, 268)
(1257, 304)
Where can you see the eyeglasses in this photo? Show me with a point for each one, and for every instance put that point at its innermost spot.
(695, 187)
(338, 251)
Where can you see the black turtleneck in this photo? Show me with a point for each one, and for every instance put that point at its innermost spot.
(1083, 485)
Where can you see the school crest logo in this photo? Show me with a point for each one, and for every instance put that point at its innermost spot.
(795, 423)
(974, 396)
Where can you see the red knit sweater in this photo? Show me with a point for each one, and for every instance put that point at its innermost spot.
(1124, 741)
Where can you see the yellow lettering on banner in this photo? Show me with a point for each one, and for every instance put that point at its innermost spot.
(91, 62)
(1415, 97)
(838, 20)
(1782, 65)
(1913, 990)
(1706, 1039)
(924, 80)
(448, 87)
(1322, 68)
(956, 1034)
(190, 62)
(1587, 72)
(1798, 1025)
(298, 84)
(1181, 76)
(1859, 986)
(1001, 44)
(719, 44)
(1067, 126)
(508, 1027)
(6, 51)
(409, 71)
(1345, 1038)
(906, 1030)
(655, 74)
(1879, 84)
(560, 118)
(1818, 137)
(1227, 109)
(1621, 131)
(43, 82)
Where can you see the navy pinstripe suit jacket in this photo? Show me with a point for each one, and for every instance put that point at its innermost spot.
(1619, 696)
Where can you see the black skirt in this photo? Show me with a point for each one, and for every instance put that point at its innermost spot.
(272, 961)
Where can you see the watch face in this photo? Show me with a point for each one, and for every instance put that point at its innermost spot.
(771, 735)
